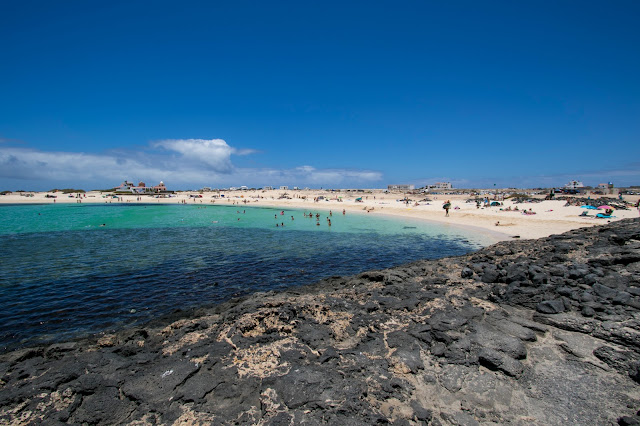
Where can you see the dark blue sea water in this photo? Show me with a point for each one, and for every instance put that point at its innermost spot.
(62, 275)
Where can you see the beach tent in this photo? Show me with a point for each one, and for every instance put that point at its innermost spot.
(496, 203)
(605, 207)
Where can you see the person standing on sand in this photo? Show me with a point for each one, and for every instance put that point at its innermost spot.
(446, 207)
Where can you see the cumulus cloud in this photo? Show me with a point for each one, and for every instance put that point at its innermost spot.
(20, 163)
(181, 163)
(214, 153)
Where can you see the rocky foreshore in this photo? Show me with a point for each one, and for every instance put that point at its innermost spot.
(523, 332)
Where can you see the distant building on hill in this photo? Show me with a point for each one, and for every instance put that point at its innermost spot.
(400, 187)
(574, 184)
(125, 186)
(284, 188)
(160, 187)
(606, 188)
(141, 188)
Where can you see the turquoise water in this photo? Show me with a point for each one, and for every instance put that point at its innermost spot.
(19, 219)
(63, 275)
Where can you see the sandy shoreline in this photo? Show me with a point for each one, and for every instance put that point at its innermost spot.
(552, 216)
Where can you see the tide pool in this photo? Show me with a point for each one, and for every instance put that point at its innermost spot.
(63, 275)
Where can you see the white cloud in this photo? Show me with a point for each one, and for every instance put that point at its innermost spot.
(309, 175)
(244, 151)
(181, 163)
(214, 153)
(305, 169)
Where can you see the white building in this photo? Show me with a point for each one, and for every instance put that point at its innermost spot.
(574, 184)
(400, 187)
(441, 185)
(606, 187)
(141, 188)
(284, 188)
(268, 188)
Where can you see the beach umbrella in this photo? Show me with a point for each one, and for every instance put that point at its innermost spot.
(606, 207)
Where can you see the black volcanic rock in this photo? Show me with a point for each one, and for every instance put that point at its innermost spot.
(550, 306)
(522, 332)
(497, 360)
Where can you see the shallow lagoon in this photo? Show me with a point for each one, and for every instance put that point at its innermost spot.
(62, 275)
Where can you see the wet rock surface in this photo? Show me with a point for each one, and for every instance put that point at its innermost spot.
(522, 332)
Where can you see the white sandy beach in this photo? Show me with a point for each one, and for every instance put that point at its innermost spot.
(552, 217)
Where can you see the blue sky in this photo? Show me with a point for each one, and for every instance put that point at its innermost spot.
(319, 94)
